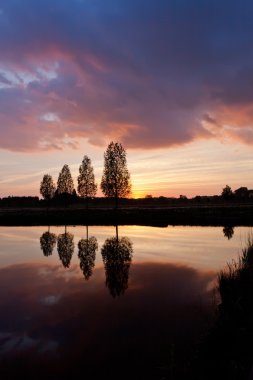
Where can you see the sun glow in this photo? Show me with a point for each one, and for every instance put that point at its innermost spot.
(138, 194)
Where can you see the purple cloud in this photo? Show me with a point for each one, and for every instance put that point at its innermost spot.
(143, 72)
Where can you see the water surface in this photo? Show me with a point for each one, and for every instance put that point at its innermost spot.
(131, 306)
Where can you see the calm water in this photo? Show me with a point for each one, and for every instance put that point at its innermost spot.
(99, 306)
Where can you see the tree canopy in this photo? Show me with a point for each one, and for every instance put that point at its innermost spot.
(87, 253)
(227, 192)
(86, 179)
(228, 232)
(65, 248)
(116, 178)
(47, 243)
(65, 182)
(47, 187)
(117, 256)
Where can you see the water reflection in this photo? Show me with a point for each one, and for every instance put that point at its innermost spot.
(65, 248)
(47, 242)
(87, 253)
(228, 232)
(117, 256)
(53, 325)
(53, 328)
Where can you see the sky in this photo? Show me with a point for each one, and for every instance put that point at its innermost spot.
(172, 80)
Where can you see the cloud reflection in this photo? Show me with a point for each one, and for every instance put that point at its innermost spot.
(165, 303)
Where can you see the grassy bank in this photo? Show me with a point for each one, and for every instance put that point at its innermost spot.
(226, 351)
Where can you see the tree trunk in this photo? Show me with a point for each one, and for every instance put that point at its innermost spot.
(116, 193)
(117, 233)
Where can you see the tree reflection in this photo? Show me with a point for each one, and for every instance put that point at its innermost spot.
(87, 253)
(117, 256)
(228, 232)
(47, 242)
(65, 248)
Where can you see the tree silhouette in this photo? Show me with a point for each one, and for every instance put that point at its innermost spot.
(65, 248)
(117, 256)
(86, 180)
(242, 193)
(65, 183)
(47, 187)
(47, 243)
(228, 232)
(227, 192)
(87, 253)
(116, 178)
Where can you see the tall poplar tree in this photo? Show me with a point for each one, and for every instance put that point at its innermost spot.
(116, 178)
(65, 184)
(86, 180)
(47, 187)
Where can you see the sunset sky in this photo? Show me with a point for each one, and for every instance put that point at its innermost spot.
(172, 80)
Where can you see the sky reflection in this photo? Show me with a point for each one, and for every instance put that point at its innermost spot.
(66, 317)
(200, 247)
(66, 314)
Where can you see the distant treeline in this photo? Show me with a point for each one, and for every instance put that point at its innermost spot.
(20, 202)
(116, 187)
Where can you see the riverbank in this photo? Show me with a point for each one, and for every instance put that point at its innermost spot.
(225, 215)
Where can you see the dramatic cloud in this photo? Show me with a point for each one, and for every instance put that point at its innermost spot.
(149, 73)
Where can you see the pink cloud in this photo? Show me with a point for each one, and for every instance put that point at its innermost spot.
(110, 73)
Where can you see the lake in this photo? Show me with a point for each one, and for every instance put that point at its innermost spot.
(130, 302)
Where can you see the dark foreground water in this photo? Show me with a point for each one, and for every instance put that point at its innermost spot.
(88, 303)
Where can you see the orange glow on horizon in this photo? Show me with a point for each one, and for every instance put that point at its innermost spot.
(137, 194)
